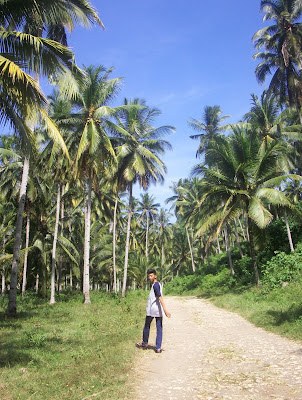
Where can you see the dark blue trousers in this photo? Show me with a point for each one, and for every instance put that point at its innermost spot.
(159, 330)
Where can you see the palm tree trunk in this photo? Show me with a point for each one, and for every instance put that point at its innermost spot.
(227, 245)
(54, 248)
(242, 230)
(127, 242)
(26, 252)
(11, 310)
(253, 253)
(237, 240)
(218, 245)
(113, 244)
(289, 235)
(3, 272)
(191, 250)
(162, 255)
(37, 283)
(60, 263)
(87, 243)
(147, 231)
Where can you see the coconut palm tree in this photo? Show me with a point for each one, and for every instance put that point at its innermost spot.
(148, 209)
(94, 151)
(139, 153)
(210, 125)
(241, 174)
(281, 43)
(21, 98)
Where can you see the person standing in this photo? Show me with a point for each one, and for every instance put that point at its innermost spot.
(155, 309)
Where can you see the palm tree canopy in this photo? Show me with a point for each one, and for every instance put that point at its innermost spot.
(210, 126)
(139, 143)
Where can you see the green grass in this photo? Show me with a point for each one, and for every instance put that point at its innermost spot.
(278, 311)
(69, 350)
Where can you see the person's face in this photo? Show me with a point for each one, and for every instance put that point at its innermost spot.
(152, 277)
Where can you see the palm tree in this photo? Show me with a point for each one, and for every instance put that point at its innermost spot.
(282, 50)
(210, 126)
(241, 174)
(138, 153)
(148, 210)
(94, 149)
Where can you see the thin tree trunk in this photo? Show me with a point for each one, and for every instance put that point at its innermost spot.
(37, 283)
(87, 244)
(11, 310)
(26, 252)
(218, 245)
(60, 263)
(127, 242)
(3, 282)
(114, 244)
(246, 226)
(242, 230)
(147, 231)
(289, 234)
(208, 258)
(191, 250)
(253, 253)
(227, 245)
(54, 248)
(3, 271)
(237, 240)
(162, 255)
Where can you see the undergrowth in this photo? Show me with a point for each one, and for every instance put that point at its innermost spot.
(69, 350)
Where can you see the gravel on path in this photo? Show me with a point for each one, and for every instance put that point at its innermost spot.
(210, 353)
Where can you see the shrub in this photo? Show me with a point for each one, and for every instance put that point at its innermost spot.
(283, 268)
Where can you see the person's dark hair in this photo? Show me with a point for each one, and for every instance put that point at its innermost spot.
(151, 271)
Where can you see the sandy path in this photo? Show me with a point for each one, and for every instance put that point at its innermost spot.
(211, 353)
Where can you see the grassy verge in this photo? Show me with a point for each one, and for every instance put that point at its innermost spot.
(69, 350)
(279, 311)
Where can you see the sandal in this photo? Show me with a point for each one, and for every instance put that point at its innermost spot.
(141, 345)
(158, 350)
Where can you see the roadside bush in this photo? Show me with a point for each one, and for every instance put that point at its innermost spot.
(179, 285)
(217, 284)
(283, 268)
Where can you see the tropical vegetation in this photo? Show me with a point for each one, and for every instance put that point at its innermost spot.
(70, 162)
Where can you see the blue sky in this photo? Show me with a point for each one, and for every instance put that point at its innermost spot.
(179, 56)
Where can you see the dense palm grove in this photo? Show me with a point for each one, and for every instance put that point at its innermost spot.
(68, 164)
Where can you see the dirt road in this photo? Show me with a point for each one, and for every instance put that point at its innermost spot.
(211, 353)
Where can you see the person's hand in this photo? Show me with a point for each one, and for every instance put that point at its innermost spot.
(168, 315)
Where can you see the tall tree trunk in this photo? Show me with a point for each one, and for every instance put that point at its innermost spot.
(26, 251)
(242, 230)
(3, 282)
(289, 234)
(253, 253)
(147, 232)
(54, 248)
(127, 242)
(191, 250)
(60, 263)
(227, 245)
(114, 244)
(37, 283)
(162, 255)
(237, 239)
(86, 279)
(70, 270)
(3, 270)
(218, 245)
(11, 310)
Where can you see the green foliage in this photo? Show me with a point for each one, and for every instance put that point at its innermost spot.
(279, 310)
(283, 268)
(207, 285)
(70, 350)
